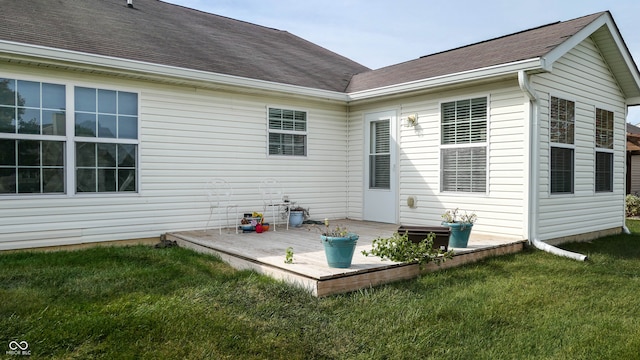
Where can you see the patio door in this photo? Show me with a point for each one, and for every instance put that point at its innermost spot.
(380, 189)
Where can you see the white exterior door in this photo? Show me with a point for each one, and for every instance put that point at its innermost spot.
(380, 189)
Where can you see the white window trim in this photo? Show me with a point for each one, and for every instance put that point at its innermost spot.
(290, 132)
(458, 146)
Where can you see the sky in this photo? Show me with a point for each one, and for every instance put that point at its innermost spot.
(378, 33)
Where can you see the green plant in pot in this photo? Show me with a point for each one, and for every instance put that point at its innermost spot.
(460, 226)
(339, 245)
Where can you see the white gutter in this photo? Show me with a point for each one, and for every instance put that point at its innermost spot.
(87, 61)
(523, 81)
(449, 79)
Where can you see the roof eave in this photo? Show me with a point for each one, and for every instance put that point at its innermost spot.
(451, 79)
(634, 101)
(80, 60)
(631, 92)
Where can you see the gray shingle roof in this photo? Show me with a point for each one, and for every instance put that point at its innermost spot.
(161, 33)
(523, 45)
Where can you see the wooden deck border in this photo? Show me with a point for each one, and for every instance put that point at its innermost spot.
(312, 273)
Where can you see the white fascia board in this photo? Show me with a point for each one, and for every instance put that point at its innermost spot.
(605, 19)
(635, 101)
(88, 61)
(559, 51)
(449, 79)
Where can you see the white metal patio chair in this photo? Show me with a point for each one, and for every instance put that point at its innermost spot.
(272, 196)
(219, 193)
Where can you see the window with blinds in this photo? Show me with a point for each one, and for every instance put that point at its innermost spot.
(561, 170)
(604, 151)
(464, 145)
(287, 132)
(380, 155)
(562, 133)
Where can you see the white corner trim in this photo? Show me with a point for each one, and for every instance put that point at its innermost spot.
(85, 60)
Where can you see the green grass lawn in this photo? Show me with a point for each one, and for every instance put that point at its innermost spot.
(141, 302)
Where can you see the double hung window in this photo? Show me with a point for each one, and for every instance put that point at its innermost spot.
(561, 132)
(604, 151)
(40, 153)
(32, 137)
(287, 132)
(464, 145)
(106, 130)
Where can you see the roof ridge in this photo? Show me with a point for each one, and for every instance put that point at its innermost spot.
(492, 39)
(512, 34)
(221, 16)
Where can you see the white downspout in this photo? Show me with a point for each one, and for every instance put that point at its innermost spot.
(523, 81)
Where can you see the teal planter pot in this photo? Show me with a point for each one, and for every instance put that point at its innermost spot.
(339, 250)
(296, 218)
(460, 232)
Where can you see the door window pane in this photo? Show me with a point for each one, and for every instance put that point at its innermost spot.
(379, 155)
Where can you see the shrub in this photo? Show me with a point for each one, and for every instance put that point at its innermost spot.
(399, 248)
(632, 205)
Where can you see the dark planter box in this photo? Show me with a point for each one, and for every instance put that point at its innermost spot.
(419, 233)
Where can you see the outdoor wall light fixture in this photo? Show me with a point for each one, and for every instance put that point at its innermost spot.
(412, 120)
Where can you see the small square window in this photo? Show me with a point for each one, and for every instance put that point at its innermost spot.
(287, 132)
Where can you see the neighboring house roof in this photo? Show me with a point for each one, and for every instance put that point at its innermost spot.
(546, 43)
(632, 129)
(179, 42)
(162, 33)
(633, 143)
(633, 139)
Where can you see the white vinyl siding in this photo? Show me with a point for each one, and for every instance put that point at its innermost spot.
(501, 209)
(582, 76)
(186, 137)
